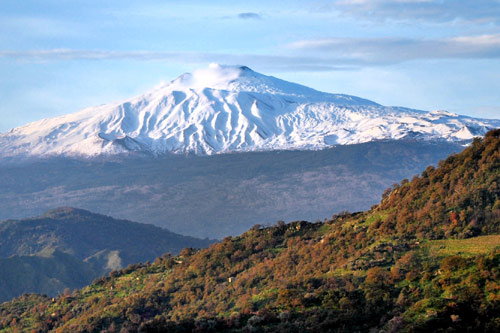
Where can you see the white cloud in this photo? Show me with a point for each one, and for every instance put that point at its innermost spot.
(424, 10)
(306, 55)
(274, 62)
(396, 50)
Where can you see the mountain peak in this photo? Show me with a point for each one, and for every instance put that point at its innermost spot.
(215, 76)
(223, 109)
(243, 79)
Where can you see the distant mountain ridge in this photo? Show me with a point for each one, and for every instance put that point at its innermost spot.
(84, 234)
(68, 247)
(227, 109)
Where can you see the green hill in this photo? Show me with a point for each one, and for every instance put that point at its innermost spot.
(427, 258)
(48, 274)
(68, 247)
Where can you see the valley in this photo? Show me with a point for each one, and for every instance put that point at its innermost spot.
(219, 195)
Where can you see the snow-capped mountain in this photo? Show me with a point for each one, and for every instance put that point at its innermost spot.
(225, 109)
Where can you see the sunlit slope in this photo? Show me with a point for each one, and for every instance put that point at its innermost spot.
(373, 270)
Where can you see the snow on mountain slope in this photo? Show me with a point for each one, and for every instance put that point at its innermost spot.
(224, 109)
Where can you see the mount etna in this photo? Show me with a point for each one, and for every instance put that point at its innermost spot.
(226, 109)
(216, 151)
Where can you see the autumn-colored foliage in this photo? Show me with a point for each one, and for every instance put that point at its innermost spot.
(395, 268)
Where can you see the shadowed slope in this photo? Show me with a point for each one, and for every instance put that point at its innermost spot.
(68, 247)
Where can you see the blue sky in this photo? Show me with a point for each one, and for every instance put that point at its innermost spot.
(57, 57)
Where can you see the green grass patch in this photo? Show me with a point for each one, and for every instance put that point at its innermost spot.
(265, 295)
(324, 229)
(466, 247)
(374, 217)
(340, 272)
(276, 250)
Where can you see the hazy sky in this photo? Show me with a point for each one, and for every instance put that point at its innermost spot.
(57, 57)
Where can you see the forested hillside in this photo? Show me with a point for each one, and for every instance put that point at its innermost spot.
(427, 258)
